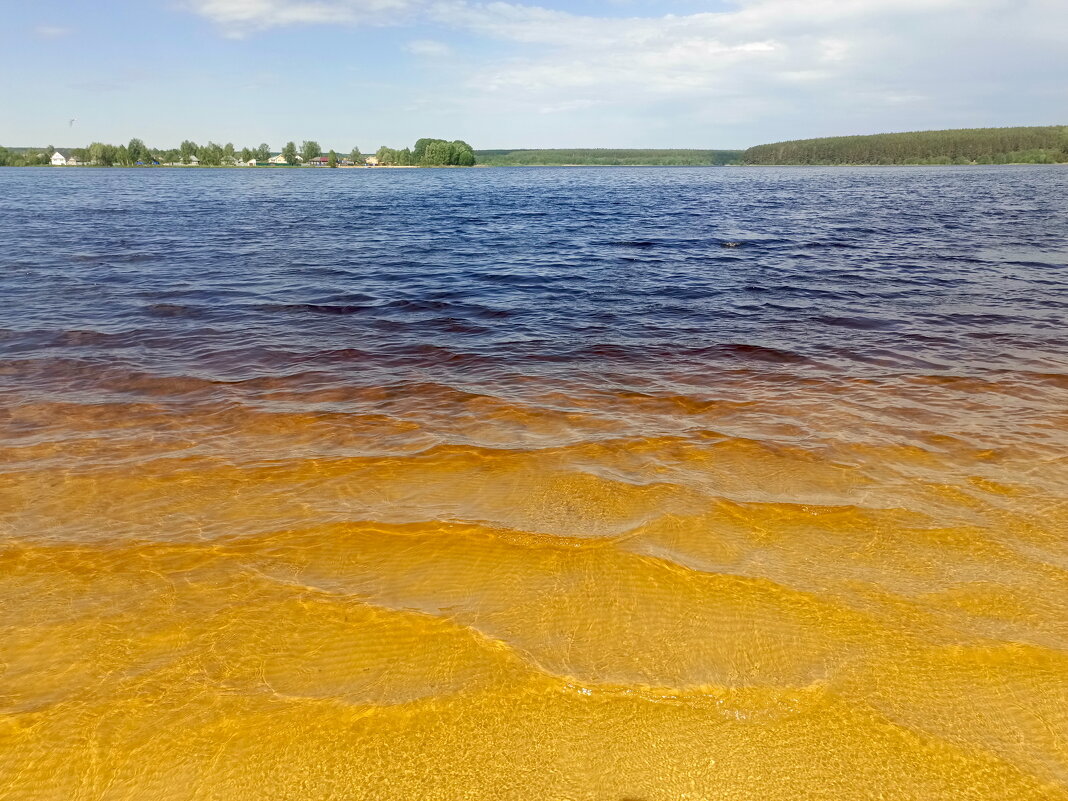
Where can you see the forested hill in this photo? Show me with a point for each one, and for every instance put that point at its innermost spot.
(603, 157)
(1038, 145)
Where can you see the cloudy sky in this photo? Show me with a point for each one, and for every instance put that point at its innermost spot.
(609, 73)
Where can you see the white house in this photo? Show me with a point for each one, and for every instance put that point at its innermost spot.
(59, 160)
(279, 159)
(193, 159)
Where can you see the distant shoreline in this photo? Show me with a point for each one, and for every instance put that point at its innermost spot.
(952, 147)
(276, 167)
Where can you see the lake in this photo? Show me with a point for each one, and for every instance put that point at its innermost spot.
(543, 483)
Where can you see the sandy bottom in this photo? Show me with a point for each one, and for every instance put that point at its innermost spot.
(756, 590)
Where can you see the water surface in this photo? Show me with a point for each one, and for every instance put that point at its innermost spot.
(521, 484)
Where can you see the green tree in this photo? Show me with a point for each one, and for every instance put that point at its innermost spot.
(289, 152)
(229, 154)
(439, 153)
(419, 151)
(310, 149)
(211, 155)
(137, 151)
(436, 153)
(188, 149)
(263, 152)
(355, 155)
(246, 154)
(102, 154)
(461, 154)
(332, 159)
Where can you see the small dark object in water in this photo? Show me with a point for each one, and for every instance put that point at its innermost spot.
(730, 244)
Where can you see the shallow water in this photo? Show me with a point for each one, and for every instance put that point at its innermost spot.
(518, 484)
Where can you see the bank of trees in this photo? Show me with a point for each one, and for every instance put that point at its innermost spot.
(606, 157)
(309, 149)
(394, 158)
(260, 153)
(426, 153)
(25, 157)
(1034, 145)
(136, 152)
(429, 153)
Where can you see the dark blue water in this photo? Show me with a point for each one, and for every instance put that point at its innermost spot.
(235, 272)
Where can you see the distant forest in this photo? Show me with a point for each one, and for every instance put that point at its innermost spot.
(1038, 145)
(607, 158)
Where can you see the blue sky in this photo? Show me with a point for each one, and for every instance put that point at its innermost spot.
(610, 73)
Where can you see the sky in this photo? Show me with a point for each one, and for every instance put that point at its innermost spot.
(591, 73)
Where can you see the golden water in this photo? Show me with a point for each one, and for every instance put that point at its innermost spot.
(770, 587)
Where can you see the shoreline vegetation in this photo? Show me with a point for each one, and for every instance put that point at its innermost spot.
(607, 157)
(426, 153)
(974, 146)
(1032, 145)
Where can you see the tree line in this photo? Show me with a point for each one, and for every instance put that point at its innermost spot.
(605, 157)
(189, 152)
(25, 157)
(1032, 145)
(429, 153)
(426, 153)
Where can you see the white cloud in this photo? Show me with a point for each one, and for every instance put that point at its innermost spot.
(429, 48)
(849, 58)
(239, 16)
(599, 61)
(852, 64)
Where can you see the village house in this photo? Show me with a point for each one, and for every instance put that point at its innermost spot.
(279, 159)
(371, 161)
(59, 160)
(193, 160)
